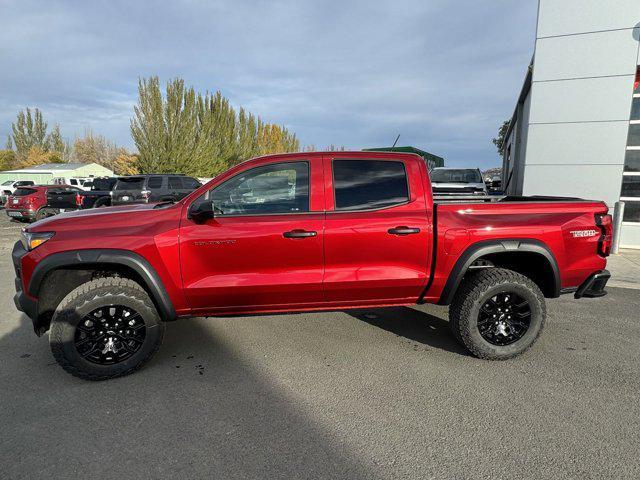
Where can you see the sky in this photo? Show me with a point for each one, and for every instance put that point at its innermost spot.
(442, 74)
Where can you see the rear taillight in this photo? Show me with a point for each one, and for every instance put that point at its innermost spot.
(604, 222)
(146, 194)
(79, 199)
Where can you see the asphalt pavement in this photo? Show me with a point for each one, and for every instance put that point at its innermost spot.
(371, 394)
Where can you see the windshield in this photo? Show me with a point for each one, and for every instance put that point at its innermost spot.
(129, 183)
(8, 182)
(455, 175)
(22, 192)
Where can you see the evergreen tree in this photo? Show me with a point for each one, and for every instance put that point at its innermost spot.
(7, 159)
(55, 142)
(200, 135)
(29, 131)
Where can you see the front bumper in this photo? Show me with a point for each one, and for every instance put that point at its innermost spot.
(23, 302)
(593, 286)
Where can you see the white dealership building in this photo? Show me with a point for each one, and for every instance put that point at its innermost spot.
(576, 126)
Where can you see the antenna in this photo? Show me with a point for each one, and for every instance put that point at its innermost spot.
(394, 143)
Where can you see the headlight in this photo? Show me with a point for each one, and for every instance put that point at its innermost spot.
(31, 240)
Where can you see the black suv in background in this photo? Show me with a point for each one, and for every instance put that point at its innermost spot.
(152, 188)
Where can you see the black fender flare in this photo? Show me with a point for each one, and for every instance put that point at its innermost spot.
(486, 247)
(103, 256)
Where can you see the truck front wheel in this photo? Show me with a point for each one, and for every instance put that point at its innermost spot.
(105, 328)
(497, 313)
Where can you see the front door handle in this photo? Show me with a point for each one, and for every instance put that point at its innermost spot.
(403, 231)
(299, 234)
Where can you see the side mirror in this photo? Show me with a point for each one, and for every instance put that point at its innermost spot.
(201, 212)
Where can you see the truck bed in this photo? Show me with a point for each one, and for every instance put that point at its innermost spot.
(559, 224)
(443, 199)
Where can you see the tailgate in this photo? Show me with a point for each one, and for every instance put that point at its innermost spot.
(62, 199)
(127, 196)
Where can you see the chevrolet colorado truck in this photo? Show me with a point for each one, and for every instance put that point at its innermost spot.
(304, 232)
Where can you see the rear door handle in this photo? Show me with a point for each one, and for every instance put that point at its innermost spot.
(403, 231)
(299, 234)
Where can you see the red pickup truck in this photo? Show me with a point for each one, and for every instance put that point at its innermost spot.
(300, 232)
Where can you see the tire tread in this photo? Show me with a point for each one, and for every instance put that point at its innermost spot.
(471, 290)
(123, 286)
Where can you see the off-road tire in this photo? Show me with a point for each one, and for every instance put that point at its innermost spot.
(475, 289)
(95, 294)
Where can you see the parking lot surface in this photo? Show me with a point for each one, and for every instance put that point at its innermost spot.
(363, 394)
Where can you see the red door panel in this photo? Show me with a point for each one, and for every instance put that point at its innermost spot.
(364, 262)
(250, 262)
(247, 262)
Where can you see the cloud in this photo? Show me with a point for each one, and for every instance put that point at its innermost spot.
(443, 74)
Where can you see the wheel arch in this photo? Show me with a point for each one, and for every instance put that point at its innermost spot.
(521, 255)
(91, 260)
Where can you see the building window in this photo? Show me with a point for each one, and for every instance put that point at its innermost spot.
(632, 161)
(634, 136)
(635, 109)
(631, 212)
(630, 190)
(631, 186)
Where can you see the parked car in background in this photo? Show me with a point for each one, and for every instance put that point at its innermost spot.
(83, 183)
(99, 192)
(10, 186)
(60, 199)
(29, 203)
(457, 181)
(152, 188)
(306, 231)
(494, 184)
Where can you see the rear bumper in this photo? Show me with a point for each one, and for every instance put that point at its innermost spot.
(593, 286)
(20, 213)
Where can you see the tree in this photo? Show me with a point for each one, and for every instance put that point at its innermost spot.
(502, 132)
(7, 159)
(29, 131)
(93, 148)
(198, 134)
(9, 144)
(125, 164)
(55, 142)
(37, 156)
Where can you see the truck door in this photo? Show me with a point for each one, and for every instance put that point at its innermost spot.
(263, 248)
(377, 230)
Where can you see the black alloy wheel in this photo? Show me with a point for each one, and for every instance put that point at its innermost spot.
(504, 318)
(109, 334)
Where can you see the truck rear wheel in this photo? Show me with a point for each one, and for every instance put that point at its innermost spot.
(102, 202)
(45, 212)
(497, 313)
(105, 328)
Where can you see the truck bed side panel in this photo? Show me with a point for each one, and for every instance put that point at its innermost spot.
(460, 225)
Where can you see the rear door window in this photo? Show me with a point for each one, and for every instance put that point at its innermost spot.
(23, 192)
(190, 183)
(154, 183)
(130, 183)
(175, 183)
(369, 184)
